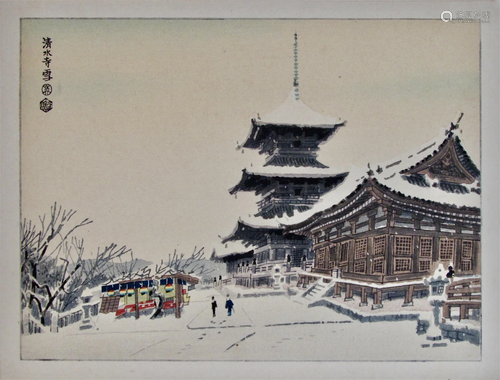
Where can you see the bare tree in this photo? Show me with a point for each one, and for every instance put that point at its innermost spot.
(53, 269)
(175, 263)
(193, 263)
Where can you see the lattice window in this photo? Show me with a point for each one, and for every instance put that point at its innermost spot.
(426, 247)
(404, 245)
(466, 265)
(321, 258)
(446, 249)
(360, 249)
(402, 265)
(379, 245)
(344, 249)
(467, 249)
(424, 265)
(378, 266)
(360, 266)
(333, 256)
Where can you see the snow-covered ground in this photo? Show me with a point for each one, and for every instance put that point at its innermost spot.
(269, 327)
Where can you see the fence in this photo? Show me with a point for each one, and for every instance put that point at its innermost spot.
(69, 319)
(464, 294)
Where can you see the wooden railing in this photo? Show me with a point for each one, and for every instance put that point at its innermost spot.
(327, 272)
(464, 294)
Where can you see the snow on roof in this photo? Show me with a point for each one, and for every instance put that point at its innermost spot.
(257, 224)
(433, 194)
(387, 285)
(390, 177)
(294, 112)
(329, 199)
(232, 247)
(292, 171)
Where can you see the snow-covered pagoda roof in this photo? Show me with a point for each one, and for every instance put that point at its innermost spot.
(258, 182)
(294, 112)
(292, 116)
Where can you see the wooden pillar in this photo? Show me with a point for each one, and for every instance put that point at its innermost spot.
(370, 255)
(435, 249)
(136, 295)
(388, 254)
(446, 311)
(350, 256)
(415, 254)
(409, 295)
(476, 257)
(377, 299)
(457, 257)
(353, 226)
(348, 292)
(363, 297)
(178, 298)
(464, 312)
(338, 290)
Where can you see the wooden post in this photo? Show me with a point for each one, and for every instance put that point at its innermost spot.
(136, 295)
(377, 299)
(338, 290)
(446, 311)
(464, 312)
(409, 296)
(363, 297)
(178, 298)
(348, 292)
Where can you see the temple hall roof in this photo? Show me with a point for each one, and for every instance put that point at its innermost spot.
(370, 190)
(413, 186)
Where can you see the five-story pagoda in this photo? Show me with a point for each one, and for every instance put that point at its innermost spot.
(291, 180)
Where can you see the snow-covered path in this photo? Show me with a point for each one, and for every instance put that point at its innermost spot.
(263, 328)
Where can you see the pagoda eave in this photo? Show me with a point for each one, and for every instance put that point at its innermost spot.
(259, 182)
(261, 130)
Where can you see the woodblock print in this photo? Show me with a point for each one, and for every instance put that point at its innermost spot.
(402, 264)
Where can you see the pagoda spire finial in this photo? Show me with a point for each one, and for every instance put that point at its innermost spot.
(296, 68)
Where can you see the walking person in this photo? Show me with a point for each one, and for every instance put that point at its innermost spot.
(214, 306)
(229, 306)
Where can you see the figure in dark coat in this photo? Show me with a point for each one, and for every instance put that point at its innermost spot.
(451, 272)
(214, 306)
(229, 306)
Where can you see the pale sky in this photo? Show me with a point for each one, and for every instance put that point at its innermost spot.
(147, 113)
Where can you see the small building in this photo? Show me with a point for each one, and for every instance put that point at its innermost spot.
(129, 296)
(136, 295)
(171, 286)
